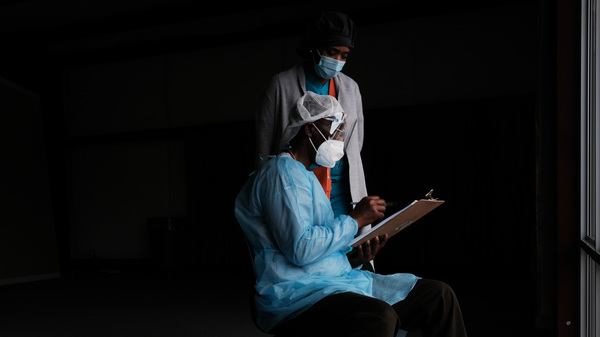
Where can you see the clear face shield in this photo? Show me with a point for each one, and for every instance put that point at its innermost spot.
(335, 127)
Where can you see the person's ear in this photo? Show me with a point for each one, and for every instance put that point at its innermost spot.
(314, 55)
(308, 130)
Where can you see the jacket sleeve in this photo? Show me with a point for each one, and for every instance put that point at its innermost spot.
(265, 124)
(360, 123)
(351, 100)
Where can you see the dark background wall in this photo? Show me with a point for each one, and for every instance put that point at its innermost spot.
(28, 234)
(138, 130)
(142, 132)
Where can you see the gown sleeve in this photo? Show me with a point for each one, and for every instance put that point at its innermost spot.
(300, 218)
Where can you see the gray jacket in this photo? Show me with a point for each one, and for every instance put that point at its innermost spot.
(280, 96)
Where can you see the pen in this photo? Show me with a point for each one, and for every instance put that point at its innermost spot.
(387, 204)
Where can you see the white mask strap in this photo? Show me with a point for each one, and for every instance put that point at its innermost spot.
(319, 132)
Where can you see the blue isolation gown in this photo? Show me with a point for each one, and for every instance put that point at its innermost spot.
(300, 247)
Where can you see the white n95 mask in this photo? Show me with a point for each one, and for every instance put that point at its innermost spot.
(329, 152)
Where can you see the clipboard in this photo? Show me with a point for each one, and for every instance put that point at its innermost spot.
(398, 221)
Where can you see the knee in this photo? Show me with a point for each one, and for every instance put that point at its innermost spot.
(378, 317)
(385, 313)
(447, 292)
(446, 297)
(441, 289)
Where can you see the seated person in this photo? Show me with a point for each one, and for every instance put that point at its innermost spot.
(304, 282)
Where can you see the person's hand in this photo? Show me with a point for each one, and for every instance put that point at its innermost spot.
(369, 209)
(367, 251)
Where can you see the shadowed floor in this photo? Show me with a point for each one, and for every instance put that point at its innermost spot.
(126, 304)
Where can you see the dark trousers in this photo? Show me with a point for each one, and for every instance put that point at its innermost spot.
(431, 306)
(346, 314)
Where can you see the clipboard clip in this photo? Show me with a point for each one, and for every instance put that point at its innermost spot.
(429, 195)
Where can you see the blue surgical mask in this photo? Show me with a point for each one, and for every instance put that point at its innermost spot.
(328, 67)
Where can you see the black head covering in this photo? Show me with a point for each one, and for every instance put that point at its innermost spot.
(329, 29)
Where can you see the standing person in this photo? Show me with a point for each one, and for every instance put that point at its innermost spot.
(325, 48)
(305, 285)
